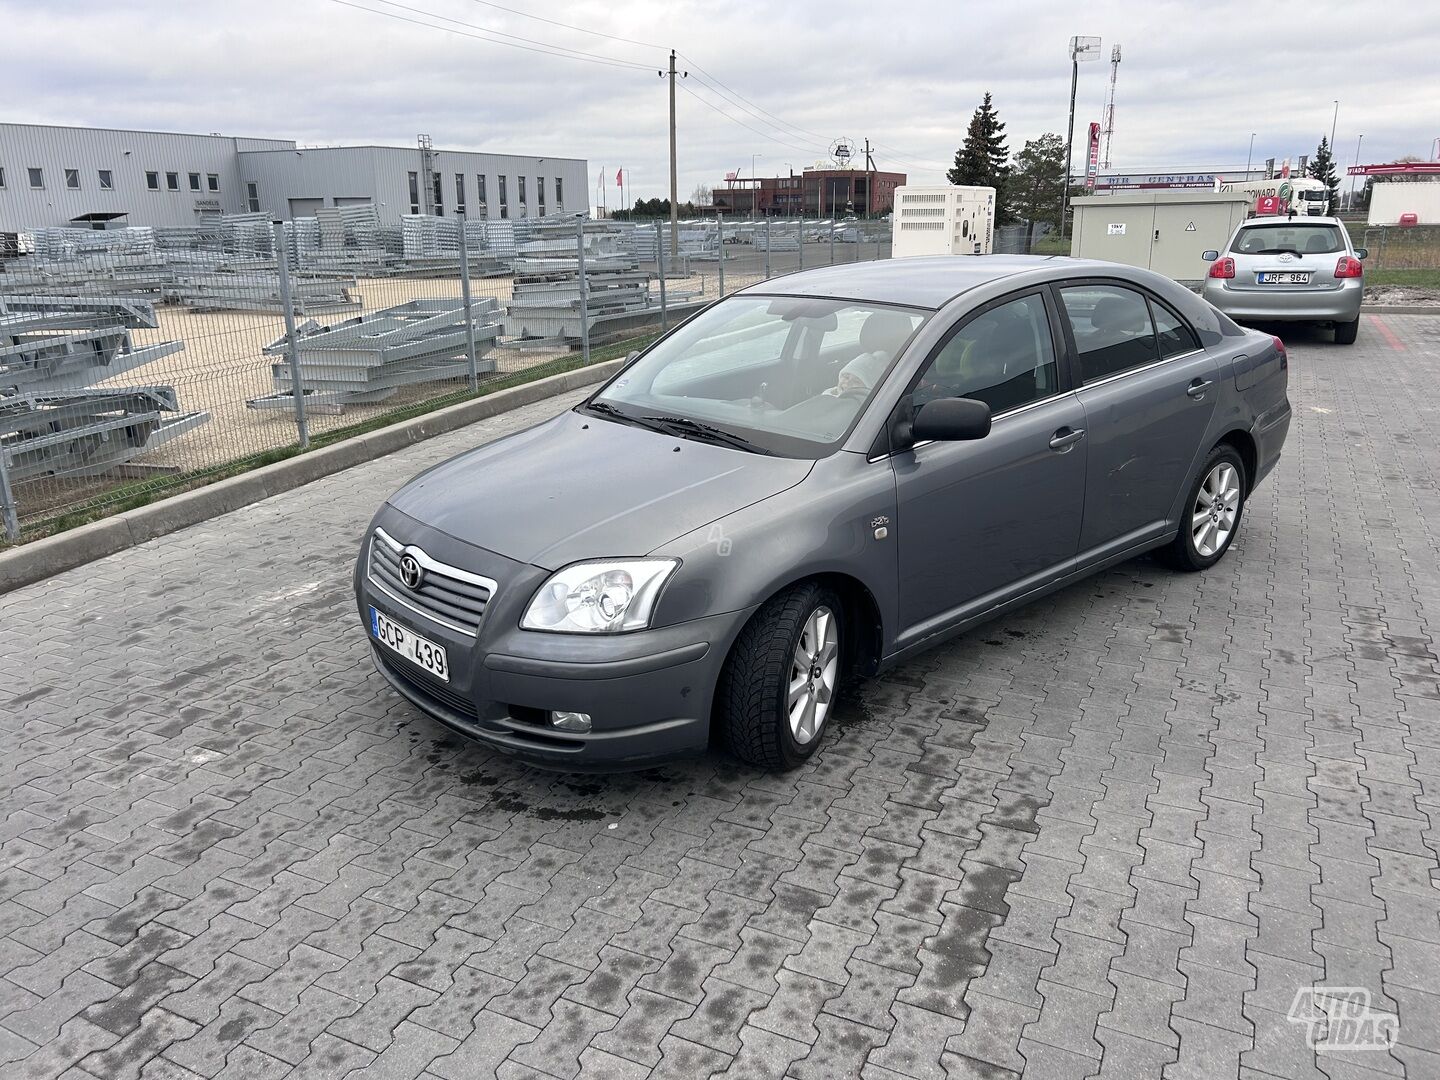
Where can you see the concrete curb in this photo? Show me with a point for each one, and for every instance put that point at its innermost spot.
(1399, 309)
(44, 558)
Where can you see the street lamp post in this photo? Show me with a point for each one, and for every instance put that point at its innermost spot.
(1356, 177)
(755, 185)
(1249, 155)
(1333, 121)
(1081, 48)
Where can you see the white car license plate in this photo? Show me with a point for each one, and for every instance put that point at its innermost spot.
(410, 645)
(1284, 277)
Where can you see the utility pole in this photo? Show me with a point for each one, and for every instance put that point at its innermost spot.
(1249, 154)
(674, 181)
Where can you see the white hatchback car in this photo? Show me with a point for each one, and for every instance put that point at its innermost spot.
(1290, 269)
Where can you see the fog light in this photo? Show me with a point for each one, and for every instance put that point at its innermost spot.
(570, 721)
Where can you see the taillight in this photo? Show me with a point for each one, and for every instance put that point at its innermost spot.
(1349, 266)
(1280, 348)
(1223, 268)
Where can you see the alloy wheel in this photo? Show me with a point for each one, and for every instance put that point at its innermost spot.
(1217, 505)
(814, 669)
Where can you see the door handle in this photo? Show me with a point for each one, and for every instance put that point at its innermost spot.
(1065, 438)
(1197, 388)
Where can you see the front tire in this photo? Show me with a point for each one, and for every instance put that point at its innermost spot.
(1211, 515)
(1345, 333)
(779, 684)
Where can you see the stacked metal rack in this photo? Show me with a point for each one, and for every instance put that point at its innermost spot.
(368, 358)
(54, 418)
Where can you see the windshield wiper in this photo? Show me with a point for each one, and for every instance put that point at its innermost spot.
(707, 432)
(604, 408)
(1280, 251)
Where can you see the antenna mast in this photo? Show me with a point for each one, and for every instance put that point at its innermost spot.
(1109, 130)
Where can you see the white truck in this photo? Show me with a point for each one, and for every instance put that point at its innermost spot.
(943, 220)
(1306, 196)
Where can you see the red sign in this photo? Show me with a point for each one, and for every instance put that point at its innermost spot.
(1409, 168)
(1269, 204)
(1092, 169)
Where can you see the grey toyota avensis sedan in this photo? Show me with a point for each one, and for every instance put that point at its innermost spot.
(821, 474)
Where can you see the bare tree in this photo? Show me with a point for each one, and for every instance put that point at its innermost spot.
(701, 196)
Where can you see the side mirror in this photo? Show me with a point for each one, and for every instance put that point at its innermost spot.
(951, 420)
(1362, 253)
(1210, 256)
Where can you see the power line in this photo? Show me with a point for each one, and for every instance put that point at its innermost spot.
(763, 134)
(794, 135)
(568, 26)
(914, 161)
(493, 36)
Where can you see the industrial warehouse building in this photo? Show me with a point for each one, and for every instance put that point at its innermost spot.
(98, 178)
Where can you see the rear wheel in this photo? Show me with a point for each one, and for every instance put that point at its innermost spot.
(779, 684)
(1212, 512)
(1346, 332)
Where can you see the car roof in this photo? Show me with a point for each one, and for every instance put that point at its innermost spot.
(1290, 219)
(926, 282)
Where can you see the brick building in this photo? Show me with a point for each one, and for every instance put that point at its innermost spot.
(824, 193)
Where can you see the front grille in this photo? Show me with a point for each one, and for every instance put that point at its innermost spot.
(451, 597)
(428, 689)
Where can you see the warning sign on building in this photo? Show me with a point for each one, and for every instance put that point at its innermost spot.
(1190, 227)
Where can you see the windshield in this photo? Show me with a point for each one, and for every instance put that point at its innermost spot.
(1312, 196)
(1293, 237)
(786, 374)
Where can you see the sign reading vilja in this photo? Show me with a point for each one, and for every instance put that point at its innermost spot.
(1092, 166)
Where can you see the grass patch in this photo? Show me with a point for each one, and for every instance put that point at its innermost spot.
(138, 493)
(1414, 279)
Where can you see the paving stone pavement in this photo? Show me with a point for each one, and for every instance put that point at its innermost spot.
(1112, 834)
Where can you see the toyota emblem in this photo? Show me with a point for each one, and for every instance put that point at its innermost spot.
(1285, 256)
(412, 574)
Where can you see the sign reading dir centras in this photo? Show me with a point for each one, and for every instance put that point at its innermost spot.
(1116, 181)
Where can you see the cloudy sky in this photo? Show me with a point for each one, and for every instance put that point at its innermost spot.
(781, 81)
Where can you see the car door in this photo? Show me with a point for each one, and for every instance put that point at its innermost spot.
(982, 521)
(1148, 391)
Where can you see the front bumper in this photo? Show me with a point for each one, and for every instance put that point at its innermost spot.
(1282, 305)
(648, 693)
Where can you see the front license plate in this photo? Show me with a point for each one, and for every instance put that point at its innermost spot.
(418, 650)
(1283, 277)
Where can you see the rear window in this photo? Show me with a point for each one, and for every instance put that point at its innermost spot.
(1294, 237)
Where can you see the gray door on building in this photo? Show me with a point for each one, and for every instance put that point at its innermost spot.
(305, 207)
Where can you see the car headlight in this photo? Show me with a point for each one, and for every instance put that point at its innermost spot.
(602, 597)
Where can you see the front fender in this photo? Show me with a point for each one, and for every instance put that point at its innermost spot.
(827, 524)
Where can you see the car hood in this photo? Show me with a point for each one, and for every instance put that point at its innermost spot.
(581, 487)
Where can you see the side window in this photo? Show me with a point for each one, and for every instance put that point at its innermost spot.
(1004, 357)
(1174, 336)
(1112, 329)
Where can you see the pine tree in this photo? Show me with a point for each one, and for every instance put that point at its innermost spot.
(1036, 177)
(983, 159)
(1322, 167)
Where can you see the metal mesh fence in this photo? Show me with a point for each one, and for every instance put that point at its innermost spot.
(140, 360)
(1395, 248)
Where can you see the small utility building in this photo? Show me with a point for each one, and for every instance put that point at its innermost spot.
(1164, 231)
